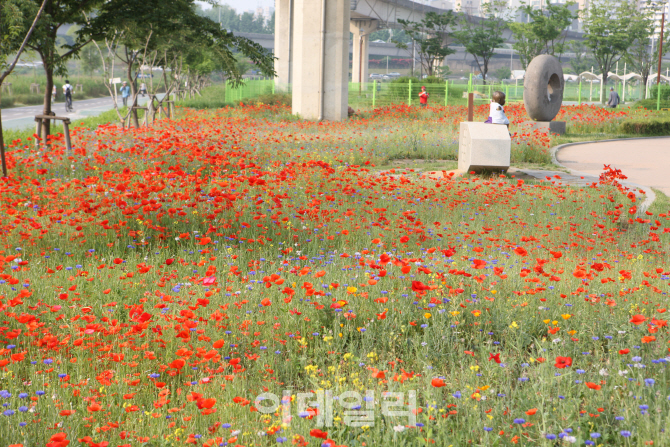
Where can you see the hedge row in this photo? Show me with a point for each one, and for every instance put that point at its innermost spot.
(652, 104)
(646, 127)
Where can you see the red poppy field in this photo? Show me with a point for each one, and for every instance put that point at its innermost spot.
(240, 278)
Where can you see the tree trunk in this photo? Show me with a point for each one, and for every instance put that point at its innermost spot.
(133, 90)
(46, 124)
(645, 79)
(603, 86)
(2, 140)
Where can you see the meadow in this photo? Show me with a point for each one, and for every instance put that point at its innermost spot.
(157, 281)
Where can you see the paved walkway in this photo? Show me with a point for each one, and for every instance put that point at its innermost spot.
(643, 161)
(24, 117)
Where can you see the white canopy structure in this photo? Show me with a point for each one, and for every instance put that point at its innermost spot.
(626, 77)
(653, 77)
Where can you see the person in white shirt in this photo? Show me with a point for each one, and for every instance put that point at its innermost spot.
(67, 92)
(497, 113)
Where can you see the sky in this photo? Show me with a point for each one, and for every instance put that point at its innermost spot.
(243, 5)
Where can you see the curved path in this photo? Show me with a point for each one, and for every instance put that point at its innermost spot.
(644, 161)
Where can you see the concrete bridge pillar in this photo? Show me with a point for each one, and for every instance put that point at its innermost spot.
(320, 59)
(361, 30)
(283, 42)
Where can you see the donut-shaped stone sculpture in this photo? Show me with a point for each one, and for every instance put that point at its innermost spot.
(543, 88)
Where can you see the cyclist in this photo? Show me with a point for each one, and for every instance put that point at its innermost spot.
(67, 92)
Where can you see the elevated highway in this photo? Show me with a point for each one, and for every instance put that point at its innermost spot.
(312, 45)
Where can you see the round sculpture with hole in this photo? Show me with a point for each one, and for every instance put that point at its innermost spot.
(543, 88)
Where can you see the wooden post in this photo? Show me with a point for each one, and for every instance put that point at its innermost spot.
(38, 132)
(660, 54)
(66, 131)
(471, 107)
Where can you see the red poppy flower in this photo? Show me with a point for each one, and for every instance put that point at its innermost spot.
(638, 319)
(563, 362)
(315, 432)
(437, 382)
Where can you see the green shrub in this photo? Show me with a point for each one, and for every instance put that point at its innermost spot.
(6, 101)
(271, 99)
(651, 104)
(665, 92)
(646, 127)
(29, 99)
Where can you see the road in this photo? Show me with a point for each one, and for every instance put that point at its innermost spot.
(643, 161)
(24, 117)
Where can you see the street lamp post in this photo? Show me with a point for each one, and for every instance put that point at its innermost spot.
(660, 52)
(360, 62)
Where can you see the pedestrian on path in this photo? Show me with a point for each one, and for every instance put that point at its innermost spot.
(125, 93)
(67, 92)
(423, 97)
(614, 99)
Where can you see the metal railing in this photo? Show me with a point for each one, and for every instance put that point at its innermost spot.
(452, 92)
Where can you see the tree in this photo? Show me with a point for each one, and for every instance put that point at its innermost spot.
(140, 29)
(544, 33)
(230, 20)
(582, 61)
(431, 37)
(270, 26)
(15, 32)
(390, 35)
(482, 35)
(503, 73)
(90, 59)
(638, 56)
(250, 23)
(44, 41)
(608, 32)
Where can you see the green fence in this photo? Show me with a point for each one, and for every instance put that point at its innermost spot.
(376, 93)
(452, 92)
(250, 90)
